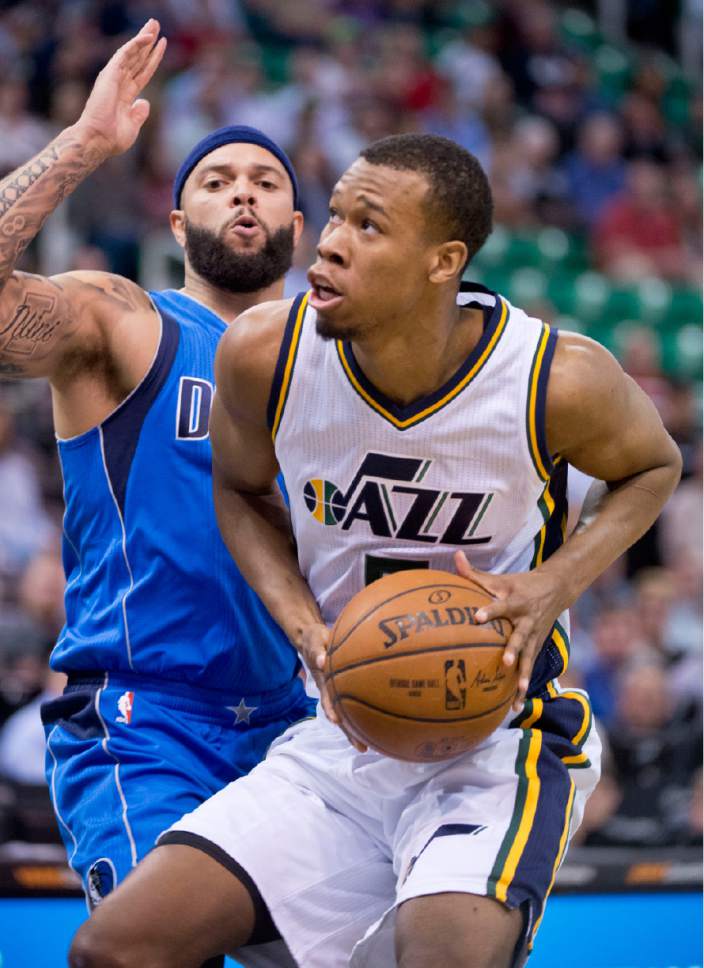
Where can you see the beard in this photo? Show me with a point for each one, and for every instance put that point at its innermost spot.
(216, 262)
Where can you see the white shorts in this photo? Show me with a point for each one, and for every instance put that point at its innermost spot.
(335, 840)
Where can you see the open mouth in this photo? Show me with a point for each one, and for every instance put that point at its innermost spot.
(245, 226)
(324, 296)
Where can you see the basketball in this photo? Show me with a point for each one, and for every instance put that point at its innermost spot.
(410, 672)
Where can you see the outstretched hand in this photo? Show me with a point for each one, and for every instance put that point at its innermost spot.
(531, 601)
(314, 646)
(114, 112)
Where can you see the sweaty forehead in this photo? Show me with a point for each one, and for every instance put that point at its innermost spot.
(397, 190)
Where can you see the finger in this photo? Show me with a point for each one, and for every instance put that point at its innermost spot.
(140, 111)
(525, 669)
(135, 49)
(145, 74)
(328, 705)
(484, 579)
(514, 646)
(499, 608)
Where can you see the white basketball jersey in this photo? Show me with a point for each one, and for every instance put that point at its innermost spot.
(375, 487)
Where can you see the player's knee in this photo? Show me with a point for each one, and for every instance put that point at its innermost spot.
(90, 949)
(457, 951)
(471, 933)
(95, 947)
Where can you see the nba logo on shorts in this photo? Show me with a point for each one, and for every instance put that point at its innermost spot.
(455, 684)
(124, 704)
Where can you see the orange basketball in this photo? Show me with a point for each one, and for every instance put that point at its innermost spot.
(411, 673)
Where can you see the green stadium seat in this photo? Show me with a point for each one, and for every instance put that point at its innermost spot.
(613, 69)
(688, 350)
(592, 292)
(622, 304)
(654, 298)
(685, 306)
(579, 29)
(527, 285)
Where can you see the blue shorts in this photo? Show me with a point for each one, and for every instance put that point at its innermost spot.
(126, 758)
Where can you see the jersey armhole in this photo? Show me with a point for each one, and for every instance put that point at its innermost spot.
(281, 382)
(536, 407)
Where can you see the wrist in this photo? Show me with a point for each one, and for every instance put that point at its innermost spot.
(566, 589)
(91, 141)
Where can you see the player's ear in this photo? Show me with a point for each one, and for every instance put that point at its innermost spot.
(448, 262)
(298, 226)
(177, 221)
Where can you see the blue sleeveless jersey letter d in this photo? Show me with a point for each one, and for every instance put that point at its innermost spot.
(194, 399)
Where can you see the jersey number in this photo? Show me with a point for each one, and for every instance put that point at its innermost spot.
(376, 567)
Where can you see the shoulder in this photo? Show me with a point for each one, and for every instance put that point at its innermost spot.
(103, 292)
(253, 340)
(585, 380)
(580, 365)
(248, 352)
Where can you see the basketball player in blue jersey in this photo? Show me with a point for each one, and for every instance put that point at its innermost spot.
(414, 420)
(178, 678)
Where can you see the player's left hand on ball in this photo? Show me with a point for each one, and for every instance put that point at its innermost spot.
(314, 646)
(531, 601)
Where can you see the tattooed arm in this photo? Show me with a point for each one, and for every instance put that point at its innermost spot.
(42, 321)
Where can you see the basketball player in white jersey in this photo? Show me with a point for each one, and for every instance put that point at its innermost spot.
(414, 428)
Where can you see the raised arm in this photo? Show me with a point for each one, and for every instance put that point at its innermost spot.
(253, 519)
(44, 321)
(601, 422)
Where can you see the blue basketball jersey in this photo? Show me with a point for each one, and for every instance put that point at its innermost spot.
(151, 588)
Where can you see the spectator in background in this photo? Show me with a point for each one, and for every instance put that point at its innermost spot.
(595, 170)
(655, 755)
(22, 740)
(451, 119)
(23, 134)
(25, 527)
(659, 599)
(617, 640)
(534, 175)
(646, 136)
(638, 234)
(682, 518)
(469, 60)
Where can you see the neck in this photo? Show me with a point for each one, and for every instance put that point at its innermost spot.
(228, 305)
(406, 362)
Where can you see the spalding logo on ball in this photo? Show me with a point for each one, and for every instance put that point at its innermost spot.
(411, 672)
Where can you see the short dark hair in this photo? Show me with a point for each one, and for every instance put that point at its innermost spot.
(460, 203)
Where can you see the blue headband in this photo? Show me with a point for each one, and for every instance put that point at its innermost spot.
(232, 134)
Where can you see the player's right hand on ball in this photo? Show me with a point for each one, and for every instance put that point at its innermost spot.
(314, 645)
(114, 112)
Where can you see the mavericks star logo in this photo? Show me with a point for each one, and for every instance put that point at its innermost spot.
(386, 496)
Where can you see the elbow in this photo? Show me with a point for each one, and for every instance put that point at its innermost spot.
(675, 464)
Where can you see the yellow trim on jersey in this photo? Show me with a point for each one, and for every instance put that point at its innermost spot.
(527, 817)
(549, 500)
(285, 382)
(576, 760)
(562, 648)
(536, 713)
(584, 702)
(558, 859)
(532, 404)
(450, 395)
(552, 691)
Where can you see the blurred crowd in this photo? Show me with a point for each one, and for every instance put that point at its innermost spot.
(596, 136)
